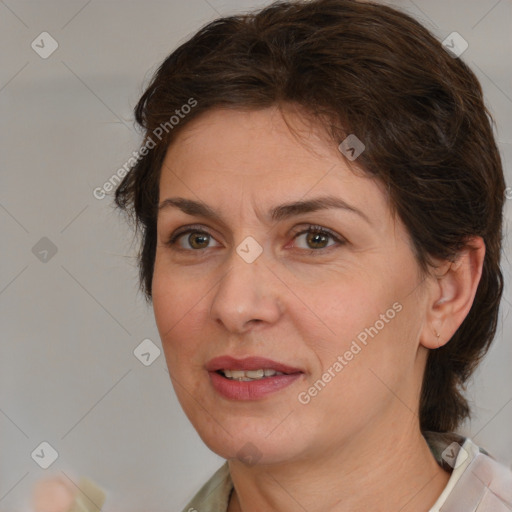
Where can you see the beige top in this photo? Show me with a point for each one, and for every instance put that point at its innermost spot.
(477, 484)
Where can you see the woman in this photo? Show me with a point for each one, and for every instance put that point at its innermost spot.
(320, 199)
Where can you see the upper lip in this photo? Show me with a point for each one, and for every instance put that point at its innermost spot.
(248, 363)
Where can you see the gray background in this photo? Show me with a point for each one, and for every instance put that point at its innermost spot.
(68, 374)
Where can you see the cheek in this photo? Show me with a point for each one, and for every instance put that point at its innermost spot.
(343, 308)
(358, 380)
(369, 324)
(379, 353)
(178, 307)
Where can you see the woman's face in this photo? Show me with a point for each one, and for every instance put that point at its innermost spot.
(343, 310)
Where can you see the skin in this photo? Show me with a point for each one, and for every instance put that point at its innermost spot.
(356, 446)
(53, 495)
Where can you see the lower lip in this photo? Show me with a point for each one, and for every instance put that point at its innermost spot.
(250, 390)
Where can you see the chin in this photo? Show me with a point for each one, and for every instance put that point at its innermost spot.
(249, 446)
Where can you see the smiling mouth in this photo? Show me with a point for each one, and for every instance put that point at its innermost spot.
(249, 375)
(252, 378)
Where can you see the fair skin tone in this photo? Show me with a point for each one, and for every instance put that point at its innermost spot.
(356, 445)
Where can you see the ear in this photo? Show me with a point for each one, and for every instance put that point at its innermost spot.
(451, 294)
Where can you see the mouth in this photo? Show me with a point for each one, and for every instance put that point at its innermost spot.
(250, 378)
(250, 367)
(249, 375)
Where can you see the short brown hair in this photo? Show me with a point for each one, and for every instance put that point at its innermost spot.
(370, 70)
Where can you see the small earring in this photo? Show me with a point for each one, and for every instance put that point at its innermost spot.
(437, 334)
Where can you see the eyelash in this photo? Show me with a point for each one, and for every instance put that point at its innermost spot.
(318, 230)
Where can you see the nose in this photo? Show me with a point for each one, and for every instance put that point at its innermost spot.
(248, 294)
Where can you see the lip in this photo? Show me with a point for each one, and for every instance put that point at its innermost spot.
(250, 390)
(249, 363)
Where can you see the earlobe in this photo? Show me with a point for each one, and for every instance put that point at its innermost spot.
(452, 294)
(438, 340)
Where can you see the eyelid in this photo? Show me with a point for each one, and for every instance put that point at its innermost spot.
(306, 228)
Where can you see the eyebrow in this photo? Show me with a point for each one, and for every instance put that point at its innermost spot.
(278, 213)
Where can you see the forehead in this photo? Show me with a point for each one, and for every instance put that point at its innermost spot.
(247, 134)
(227, 152)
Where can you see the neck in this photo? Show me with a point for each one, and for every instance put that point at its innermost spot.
(394, 472)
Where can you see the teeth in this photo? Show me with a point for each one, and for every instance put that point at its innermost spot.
(247, 375)
(254, 374)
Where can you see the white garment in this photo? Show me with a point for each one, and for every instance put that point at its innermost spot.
(477, 483)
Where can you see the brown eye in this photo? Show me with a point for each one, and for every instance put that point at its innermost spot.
(197, 239)
(317, 238)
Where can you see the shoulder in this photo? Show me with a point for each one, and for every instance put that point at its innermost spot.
(477, 482)
(214, 494)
